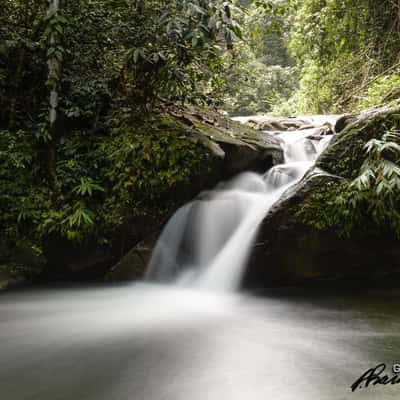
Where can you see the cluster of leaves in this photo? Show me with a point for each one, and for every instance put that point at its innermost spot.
(320, 208)
(254, 87)
(141, 167)
(20, 190)
(144, 50)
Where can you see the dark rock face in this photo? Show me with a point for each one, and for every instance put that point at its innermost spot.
(70, 262)
(290, 252)
(91, 261)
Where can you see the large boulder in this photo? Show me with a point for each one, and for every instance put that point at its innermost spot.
(289, 251)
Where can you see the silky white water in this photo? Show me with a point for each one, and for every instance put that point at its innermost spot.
(207, 242)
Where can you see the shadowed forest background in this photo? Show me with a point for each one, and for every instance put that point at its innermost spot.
(99, 100)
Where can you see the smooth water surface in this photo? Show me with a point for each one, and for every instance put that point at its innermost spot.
(146, 342)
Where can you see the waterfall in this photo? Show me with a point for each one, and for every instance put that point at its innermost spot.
(207, 242)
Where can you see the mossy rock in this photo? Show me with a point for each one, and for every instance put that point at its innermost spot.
(241, 147)
(346, 154)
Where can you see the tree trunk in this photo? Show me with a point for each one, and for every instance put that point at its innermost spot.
(54, 72)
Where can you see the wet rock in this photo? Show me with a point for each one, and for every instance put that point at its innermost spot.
(279, 124)
(343, 122)
(19, 263)
(282, 124)
(134, 263)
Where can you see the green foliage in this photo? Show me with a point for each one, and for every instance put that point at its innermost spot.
(341, 46)
(87, 187)
(151, 163)
(367, 204)
(154, 48)
(28, 213)
(320, 208)
(197, 29)
(259, 74)
(374, 194)
(22, 62)
(385, 89)
(312, 95)
(266, 29)
(254, 87)
(140, 167)
(21, 194)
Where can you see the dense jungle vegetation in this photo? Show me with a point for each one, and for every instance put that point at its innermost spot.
(83, 85)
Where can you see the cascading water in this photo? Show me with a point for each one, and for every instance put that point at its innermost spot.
(207, 242)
